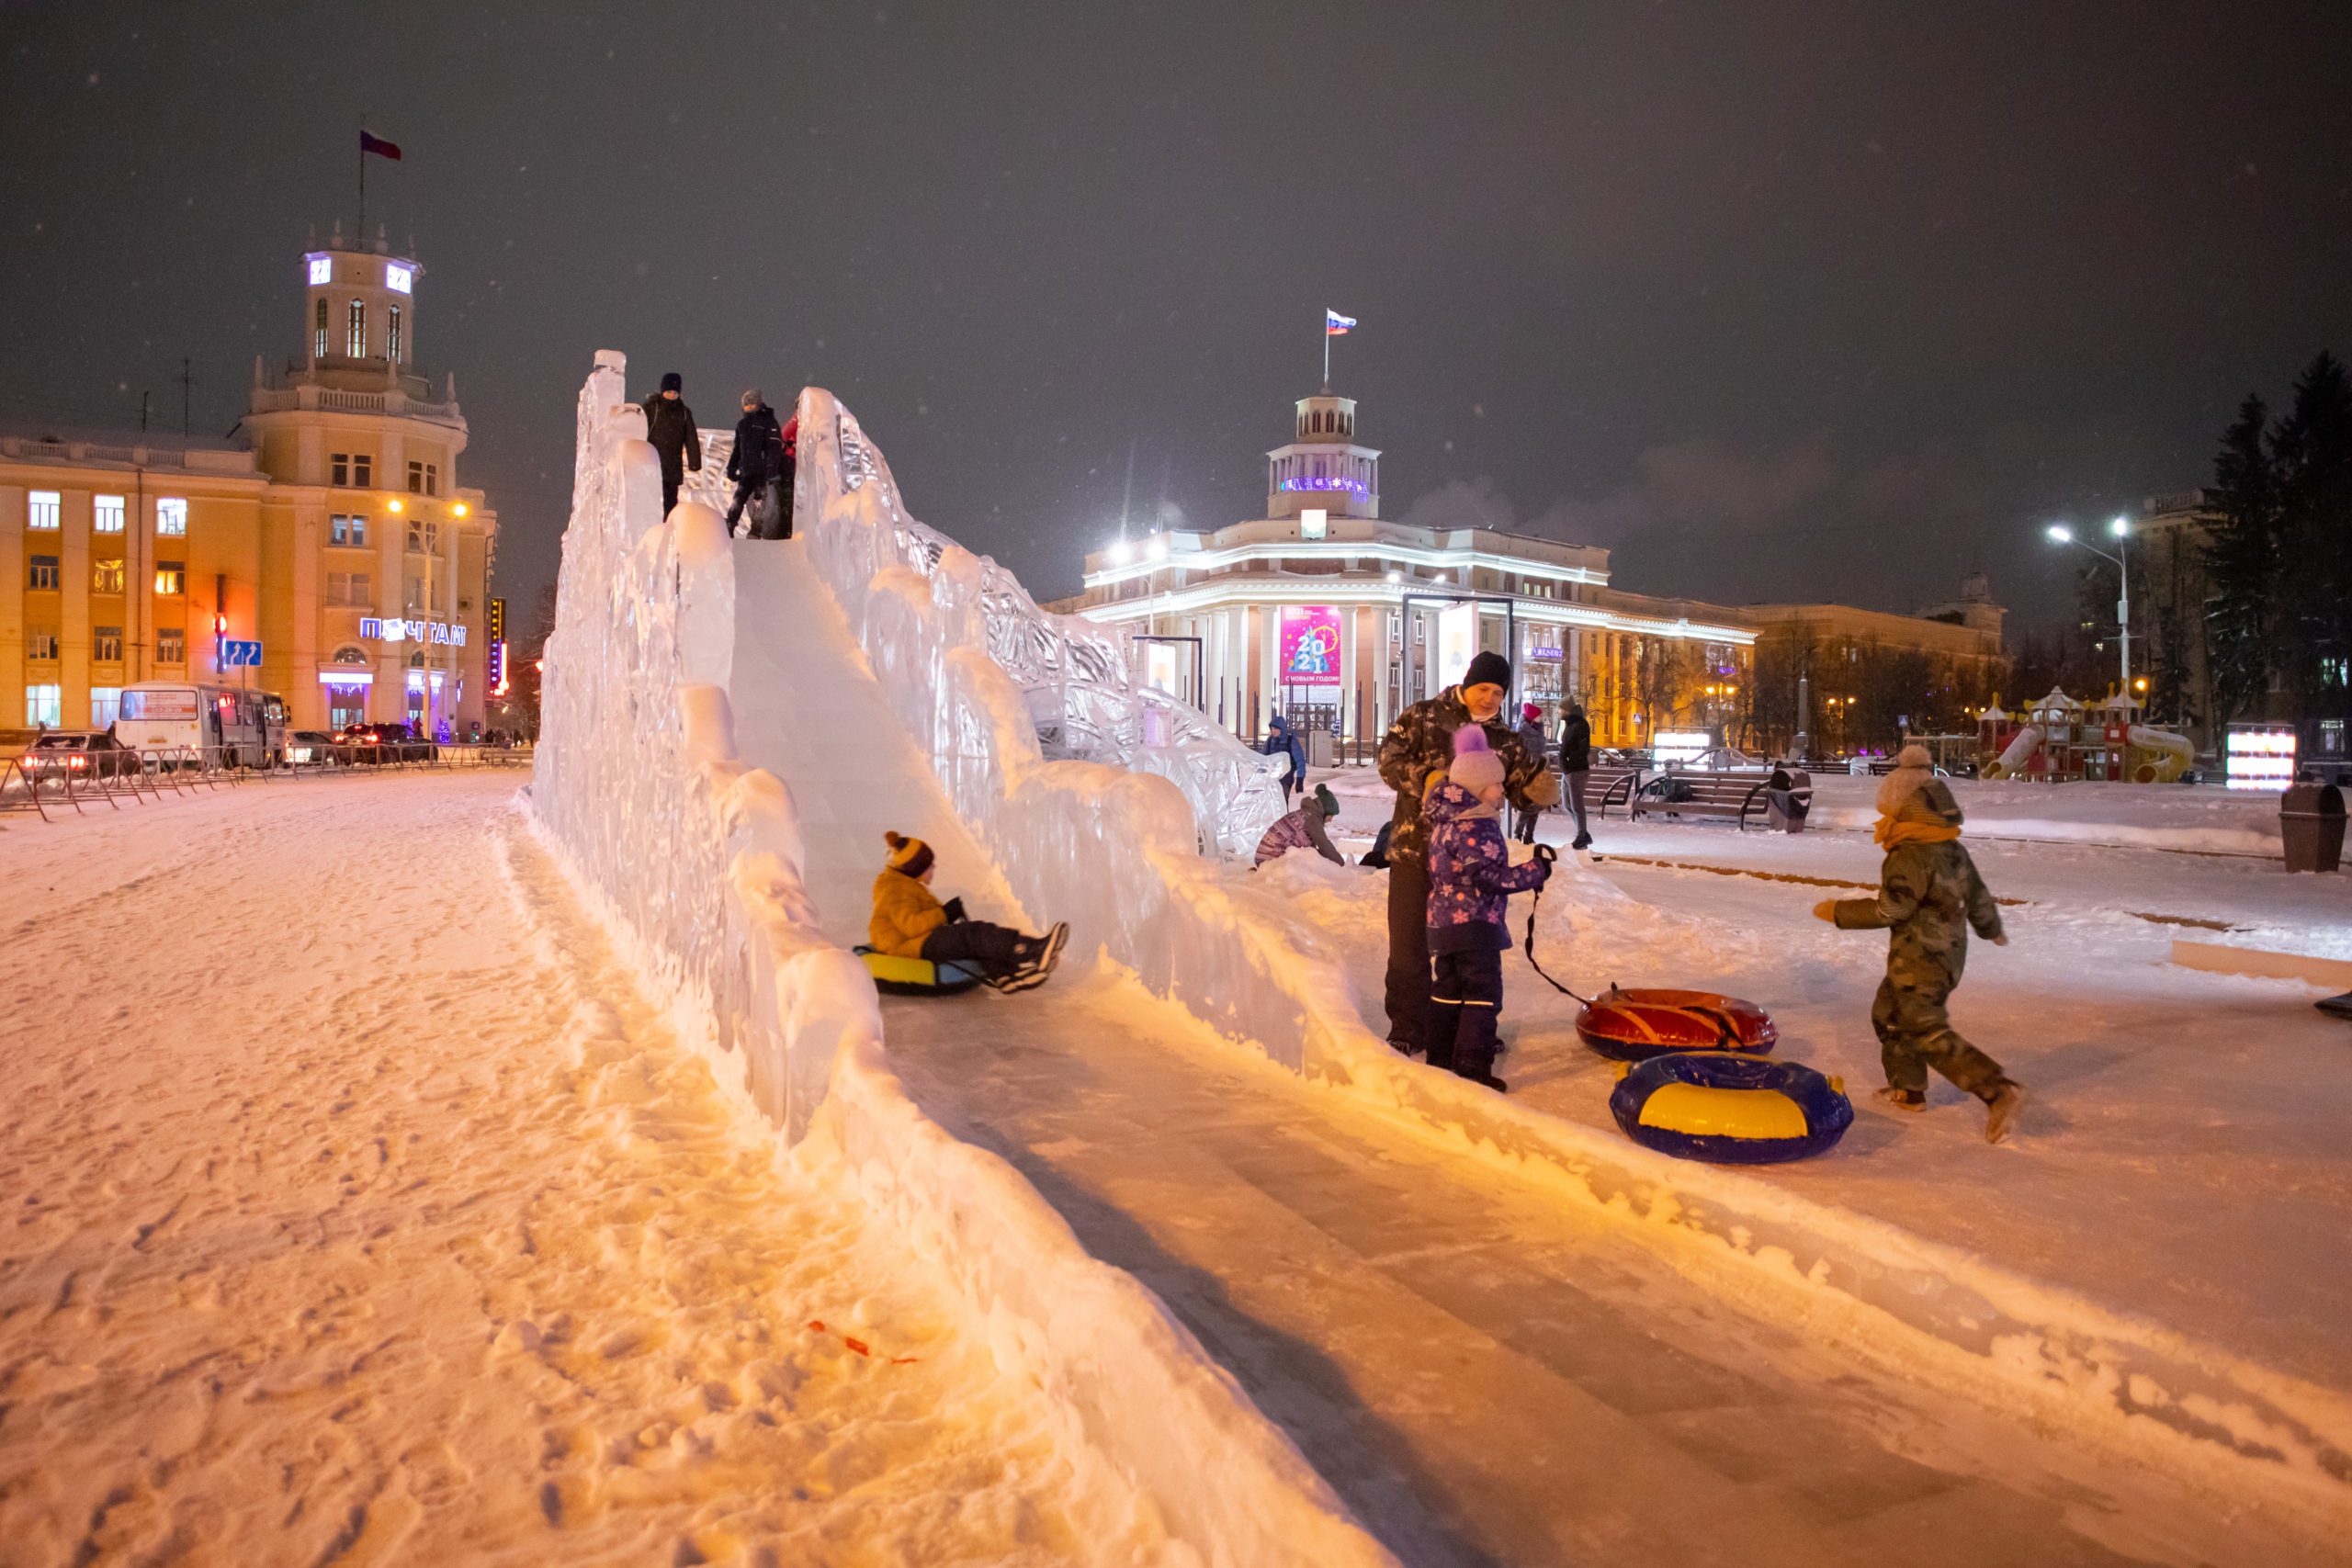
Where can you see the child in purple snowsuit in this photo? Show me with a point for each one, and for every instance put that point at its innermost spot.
(1471, 882)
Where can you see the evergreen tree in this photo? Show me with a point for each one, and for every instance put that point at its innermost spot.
(2242, 563)
(2311, 458)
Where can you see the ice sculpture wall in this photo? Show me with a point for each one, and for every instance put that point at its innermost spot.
(693, 861)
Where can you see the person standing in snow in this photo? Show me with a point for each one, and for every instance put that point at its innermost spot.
(1929, 896)
(1575, 763)
(1471, 882)
(1531, 735)
(1282, 741)
(670, 426)
(1303, 828)
(1421, 742)
(761, 459)
(909, 922)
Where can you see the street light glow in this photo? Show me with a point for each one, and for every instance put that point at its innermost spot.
(2120, 527)
(1156, 548)
(1120, 551)
(2060, 534)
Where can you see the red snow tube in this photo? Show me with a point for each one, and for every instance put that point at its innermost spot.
(1632, 1026)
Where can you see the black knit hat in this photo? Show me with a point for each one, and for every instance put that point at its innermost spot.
(672, 382)
(1489, 669)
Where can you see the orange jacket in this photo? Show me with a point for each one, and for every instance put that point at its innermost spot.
(904, 913)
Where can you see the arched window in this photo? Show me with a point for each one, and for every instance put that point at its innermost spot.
(350, 653)
(355, 333)
(392, 334)
(319, 332)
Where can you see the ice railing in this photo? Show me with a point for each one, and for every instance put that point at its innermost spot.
(1078, 680)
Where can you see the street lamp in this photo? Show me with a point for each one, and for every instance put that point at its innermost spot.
(2121, 529)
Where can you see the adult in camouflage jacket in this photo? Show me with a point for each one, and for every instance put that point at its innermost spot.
(1930, 898)
(1420, 743)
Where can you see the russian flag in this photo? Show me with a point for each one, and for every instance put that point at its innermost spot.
(378, 145)
(1334, 323)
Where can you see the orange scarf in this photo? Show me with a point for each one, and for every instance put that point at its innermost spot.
(1891, 833)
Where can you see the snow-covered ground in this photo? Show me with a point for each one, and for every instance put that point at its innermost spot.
(2186, 1144)
(362, 1211)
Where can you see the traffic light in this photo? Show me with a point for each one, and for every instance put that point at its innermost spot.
(220, 625)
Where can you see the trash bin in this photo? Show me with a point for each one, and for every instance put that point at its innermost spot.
(2311, 823)
(1785, 809)
(1318, 748)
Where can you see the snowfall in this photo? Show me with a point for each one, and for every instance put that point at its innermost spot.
(517, 1166)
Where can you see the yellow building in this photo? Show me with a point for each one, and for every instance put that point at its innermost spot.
(336, 534)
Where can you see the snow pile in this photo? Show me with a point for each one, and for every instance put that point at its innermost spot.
(694, 861)
(1113, 852)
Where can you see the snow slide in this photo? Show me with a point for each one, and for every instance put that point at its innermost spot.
(1117, 853)
(697, 863)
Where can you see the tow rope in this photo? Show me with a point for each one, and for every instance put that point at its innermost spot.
(1728, 1035)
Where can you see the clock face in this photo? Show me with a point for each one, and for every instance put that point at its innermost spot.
(397, 278)
(321, 270)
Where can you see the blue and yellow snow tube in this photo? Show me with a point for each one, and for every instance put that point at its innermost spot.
(1730, 1110)
(916, 976)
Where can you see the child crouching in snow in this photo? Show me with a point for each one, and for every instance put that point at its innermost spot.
(910, 923)
(1471, 882)
(1930, 895)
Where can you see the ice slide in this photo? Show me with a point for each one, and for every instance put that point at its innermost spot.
(1361, 1260)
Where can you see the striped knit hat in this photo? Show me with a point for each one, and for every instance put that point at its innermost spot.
(910, 856)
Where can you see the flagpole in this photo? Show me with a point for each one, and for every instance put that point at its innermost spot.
(1327, 348)
(363, 180)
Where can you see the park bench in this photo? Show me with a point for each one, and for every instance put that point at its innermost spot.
(1733, 795)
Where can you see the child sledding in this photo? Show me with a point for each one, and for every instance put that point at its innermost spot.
(909, 922)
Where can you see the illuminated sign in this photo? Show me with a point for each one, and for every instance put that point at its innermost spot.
(1312, 483)
(397, 278)
(496, 668)
(398, 629)
(497, 628)
(1679, 745)
(2261, 759)
(1310, 645)
(1314, 522)
(321, 270)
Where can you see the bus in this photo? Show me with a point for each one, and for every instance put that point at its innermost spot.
(240, 728)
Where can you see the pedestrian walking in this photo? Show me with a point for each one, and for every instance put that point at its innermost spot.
(1303, 828)
(1421, 742)
(1471, 882)
(1930, 898)
(761, 467)
(1282, 741)
(1531, 735)
(1575, 762)
(670, 426)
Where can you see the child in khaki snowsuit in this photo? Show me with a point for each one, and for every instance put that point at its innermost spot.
(1929, 896)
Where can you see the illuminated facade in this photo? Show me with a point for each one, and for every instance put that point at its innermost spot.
(1322, 610)
(337, 533)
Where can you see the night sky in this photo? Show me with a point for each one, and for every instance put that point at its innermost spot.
(1792, 300)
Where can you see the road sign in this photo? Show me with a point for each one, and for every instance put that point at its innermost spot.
(234, 654)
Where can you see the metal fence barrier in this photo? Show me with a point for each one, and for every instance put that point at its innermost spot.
(50, 780)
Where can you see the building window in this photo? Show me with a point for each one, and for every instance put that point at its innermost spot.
(347, 530)
(392, 334)
(171, 578)
(319, 332)
(107, 514)
(105, 707)
(424, 478)
(351, 653)
(348, 587)
(352, 470)
(171, 517)
(43, 508)
(45, 705)
(42, 574)
(40, 645)
(106, 644)
(354, 329)
(171, 646)
(424, 536)
(106, 577)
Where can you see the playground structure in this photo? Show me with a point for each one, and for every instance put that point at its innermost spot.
(2060, 739)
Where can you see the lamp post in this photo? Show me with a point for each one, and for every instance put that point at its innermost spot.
(2120, 528)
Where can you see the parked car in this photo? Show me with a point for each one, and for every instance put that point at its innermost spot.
(314, 748)
(389, 741)
(86, 753)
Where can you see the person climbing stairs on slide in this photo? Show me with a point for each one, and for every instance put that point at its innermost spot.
(909, 922)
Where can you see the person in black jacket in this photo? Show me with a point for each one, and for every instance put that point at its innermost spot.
(670, 425)
(760, 459)
(1576, 761)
